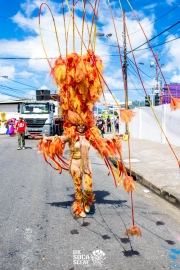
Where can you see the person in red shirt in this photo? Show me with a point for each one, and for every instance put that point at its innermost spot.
(21, 129)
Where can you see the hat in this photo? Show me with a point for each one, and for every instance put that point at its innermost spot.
(20, 117)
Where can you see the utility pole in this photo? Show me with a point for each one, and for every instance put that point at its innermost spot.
(125, 66)
(160, 91)
(157, 87)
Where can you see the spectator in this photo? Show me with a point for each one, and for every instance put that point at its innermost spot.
(101, 125)
(21, 129)
(108, 122)
(116, 122)
(11, 127)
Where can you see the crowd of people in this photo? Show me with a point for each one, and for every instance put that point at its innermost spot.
(13, 127)
(105, 125)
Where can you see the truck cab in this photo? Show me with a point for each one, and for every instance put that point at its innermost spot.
(39, 116)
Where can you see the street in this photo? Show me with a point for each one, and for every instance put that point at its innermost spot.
(38, 230)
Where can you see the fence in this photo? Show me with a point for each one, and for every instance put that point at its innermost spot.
(145, 126)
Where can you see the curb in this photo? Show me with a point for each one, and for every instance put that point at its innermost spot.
(169, 197)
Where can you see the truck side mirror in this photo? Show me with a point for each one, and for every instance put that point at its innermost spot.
(18, 107)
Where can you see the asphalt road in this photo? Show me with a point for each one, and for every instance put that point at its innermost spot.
(38, 231)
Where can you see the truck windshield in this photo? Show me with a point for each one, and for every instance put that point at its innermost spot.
(28, 108)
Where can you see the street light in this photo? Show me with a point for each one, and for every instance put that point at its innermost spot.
(103, 35)
(109, 35)
(100, 34)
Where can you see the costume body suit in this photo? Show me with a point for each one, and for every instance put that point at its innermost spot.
(82, 177)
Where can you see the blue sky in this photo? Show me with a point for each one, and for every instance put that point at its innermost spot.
(19, 38)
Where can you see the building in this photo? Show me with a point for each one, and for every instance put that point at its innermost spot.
(175, 92)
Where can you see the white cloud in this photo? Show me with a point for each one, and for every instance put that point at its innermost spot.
(25, 74)
(150, 6)
(29, 6)
(43, 87)
(7, 71)
(30, 94)
(4, 97)
(170, 2)
(109, 99)
(176, 77)
(172, 57)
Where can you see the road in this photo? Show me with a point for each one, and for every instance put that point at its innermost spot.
(38, 231)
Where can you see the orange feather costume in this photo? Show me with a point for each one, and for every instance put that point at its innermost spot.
(80, 85)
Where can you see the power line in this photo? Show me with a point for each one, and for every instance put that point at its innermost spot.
(21, 83)
(158, 44)
(155, 36)
(42, 58)
(140, 69)
(157, 19)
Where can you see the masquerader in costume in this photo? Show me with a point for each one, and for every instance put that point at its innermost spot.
(80, 84)
(79, 167)
(80, 87)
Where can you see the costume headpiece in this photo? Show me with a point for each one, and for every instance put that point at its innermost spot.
(79, 80)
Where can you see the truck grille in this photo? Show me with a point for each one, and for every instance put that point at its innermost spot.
(35, 122)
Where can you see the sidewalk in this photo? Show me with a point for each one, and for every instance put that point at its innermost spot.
(155, 166)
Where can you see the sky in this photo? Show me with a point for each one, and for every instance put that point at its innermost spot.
(25, 67)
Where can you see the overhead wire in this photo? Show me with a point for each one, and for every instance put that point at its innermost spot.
(43, 58)
(136, 75)
(156, 19)
(155, 36)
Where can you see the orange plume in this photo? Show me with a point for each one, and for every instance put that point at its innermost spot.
(175, 103)
(74, 118)
(133, 231)
(126, 115)
(129, 183)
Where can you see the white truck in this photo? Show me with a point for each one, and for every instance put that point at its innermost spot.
(39, 116)
(42, 116)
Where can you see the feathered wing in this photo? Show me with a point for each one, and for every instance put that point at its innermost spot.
(53, 154)
(111, 152)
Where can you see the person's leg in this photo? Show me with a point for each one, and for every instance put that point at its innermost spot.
(118, 129)
(88, 196)
(78, 203)
(23, 139)
(19, 140)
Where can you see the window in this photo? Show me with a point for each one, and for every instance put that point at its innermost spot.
(35, 108)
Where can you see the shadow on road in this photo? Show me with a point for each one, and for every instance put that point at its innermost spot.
(99, 197)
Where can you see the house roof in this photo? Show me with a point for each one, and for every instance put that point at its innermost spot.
(14, 101)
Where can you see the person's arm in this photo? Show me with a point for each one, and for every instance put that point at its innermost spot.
(110, 138)
(103, 126)
(63, 138)
(25, 127)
